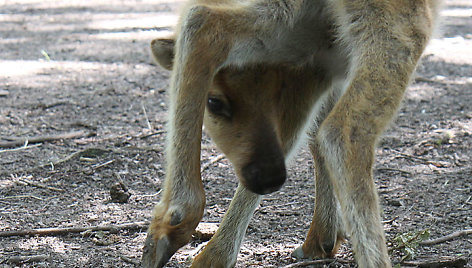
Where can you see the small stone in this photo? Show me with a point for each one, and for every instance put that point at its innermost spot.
(119, 193)
(205, 231)
(395, 203)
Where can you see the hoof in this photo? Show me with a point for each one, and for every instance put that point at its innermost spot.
(298, 253)
(156, 253)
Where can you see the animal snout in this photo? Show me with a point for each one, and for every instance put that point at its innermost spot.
(264, 177)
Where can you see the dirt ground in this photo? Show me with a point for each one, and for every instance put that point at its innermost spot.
(83, 68)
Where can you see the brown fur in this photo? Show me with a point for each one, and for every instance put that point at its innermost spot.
(268, 72)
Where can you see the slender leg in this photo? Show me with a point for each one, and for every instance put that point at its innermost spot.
(386, 46)
(183, 201)
(202, 47)
(223, 248)
(326, 232)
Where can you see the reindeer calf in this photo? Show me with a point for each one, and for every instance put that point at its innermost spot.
(261, 74)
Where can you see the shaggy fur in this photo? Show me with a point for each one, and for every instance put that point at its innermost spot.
(261, 74)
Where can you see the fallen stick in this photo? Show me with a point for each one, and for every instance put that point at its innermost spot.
(22, 141)
(443, 262)
(21, 196)
(40, 185)
(424, 79)
(144, 136)
(391, 220)
(67, 230)
(395, 170)
(18, 260)
(423, 160)
(146, 117)
(20, 148)
(446, 237)
(215, 160)
(103, 164)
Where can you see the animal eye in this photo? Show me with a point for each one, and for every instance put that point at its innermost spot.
(218, 107)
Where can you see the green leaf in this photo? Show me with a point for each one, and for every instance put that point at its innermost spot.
(45, 54)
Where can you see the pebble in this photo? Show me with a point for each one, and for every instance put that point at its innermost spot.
(3, 93)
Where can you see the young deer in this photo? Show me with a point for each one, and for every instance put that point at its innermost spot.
(260, 74)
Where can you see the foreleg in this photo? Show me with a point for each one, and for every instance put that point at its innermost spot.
(223, 248)
(181, 206)
(206, 38)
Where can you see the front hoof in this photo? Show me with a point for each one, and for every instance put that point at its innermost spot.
(298, 253)
(156, 253)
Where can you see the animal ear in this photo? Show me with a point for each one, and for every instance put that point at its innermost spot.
(163, 51)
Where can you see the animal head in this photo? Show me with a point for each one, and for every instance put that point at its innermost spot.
(242, 116)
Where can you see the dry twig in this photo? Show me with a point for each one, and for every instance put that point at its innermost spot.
(22, 141)
(424, 161)
(424, 79)
(446, 237)
(21, 196)
(21, 148)
(67, 230)
(18, 260)
(391, 220)
(145, 136)
(40, 185)
(103, 164)
(394, 170)
(215, 160)
(442, 262)
(146, 117)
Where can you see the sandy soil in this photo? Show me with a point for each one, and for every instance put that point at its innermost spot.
(84, 66)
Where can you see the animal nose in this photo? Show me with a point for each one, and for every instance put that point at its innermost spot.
(264, 177)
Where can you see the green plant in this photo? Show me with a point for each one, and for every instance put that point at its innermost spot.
(408, 242)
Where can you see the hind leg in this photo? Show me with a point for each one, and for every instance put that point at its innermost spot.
(326, 229)
(385, 39)
(354, 187)
(326, 233)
